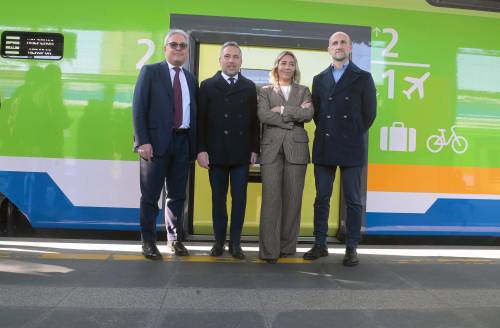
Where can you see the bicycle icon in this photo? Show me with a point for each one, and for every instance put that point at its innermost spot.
(436, 142)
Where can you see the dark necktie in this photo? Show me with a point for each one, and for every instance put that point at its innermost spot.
(231, 81)
(177, 99)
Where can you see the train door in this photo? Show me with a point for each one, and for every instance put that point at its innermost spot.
(257, 62)
(261, 41)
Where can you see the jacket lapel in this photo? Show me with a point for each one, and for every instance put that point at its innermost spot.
(221, 83)
(350, 75)
(277, 91)
(293, 97)
(165, 77)
(328, 81)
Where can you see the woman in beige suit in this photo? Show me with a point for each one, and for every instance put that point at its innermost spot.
(284, 107)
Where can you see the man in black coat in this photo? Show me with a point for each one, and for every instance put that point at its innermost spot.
(228, 141)
(345, 104)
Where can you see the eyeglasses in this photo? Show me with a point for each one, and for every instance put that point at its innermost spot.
(175, 45)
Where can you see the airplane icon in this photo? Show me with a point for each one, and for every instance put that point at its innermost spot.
(417, 83)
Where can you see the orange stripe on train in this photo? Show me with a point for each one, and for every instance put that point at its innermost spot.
(433, 179)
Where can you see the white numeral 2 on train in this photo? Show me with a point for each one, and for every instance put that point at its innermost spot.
(148, 54)
(387, 51)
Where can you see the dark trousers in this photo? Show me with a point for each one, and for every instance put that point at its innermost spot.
(351, 186)
(170, 169)
(219, 181)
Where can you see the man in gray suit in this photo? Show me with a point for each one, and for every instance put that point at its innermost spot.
(345, 106)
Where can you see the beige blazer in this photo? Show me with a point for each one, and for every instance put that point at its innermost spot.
(285, 129)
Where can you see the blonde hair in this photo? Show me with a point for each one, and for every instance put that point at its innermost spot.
(273, 75)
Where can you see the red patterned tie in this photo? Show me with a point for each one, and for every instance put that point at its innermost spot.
(177, 99)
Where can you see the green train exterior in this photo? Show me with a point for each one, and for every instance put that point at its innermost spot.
(66, 157)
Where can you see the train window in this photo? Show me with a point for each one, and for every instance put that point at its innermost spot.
(32, 45)
(484, 5)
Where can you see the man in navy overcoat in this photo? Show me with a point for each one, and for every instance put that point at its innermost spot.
(344, 100)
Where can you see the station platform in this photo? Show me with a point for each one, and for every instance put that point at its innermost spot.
(88, 283)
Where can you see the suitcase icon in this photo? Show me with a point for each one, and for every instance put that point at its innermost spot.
(398, 138)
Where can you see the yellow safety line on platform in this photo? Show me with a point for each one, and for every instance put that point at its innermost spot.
(293, 260)
(122, 257)
(166, 258)
(200, 258)
(75, 256)
(210, 259)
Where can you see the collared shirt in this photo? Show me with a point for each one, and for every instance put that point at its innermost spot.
(338, 72)
(226, 77)
(186, 99)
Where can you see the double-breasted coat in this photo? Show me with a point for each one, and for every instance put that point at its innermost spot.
(344, 112)
(228, 127)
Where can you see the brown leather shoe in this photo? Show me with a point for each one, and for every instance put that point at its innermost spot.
(150, 251)
(177, 248)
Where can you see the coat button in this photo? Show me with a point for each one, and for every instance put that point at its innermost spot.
(328, 116)
(345, 116)
(330, 98)
(226, 99)
(327, 134)
(346, 98)
(241, 133)
(226, 116)
(226, 132)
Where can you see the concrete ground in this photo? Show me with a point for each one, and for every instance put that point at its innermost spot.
(68, 283)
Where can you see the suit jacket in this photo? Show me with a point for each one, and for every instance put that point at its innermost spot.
(285, 129)
(228, 128)
(344, 112)
(153, 109)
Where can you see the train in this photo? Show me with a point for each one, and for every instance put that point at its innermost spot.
(68, 71)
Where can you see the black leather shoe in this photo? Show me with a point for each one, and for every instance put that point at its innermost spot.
(217, 249)
(177, 248)
(351, 257)
(150, 251)
(316, 252)
(236, 252)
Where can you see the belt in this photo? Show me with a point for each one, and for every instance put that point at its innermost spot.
(181, 131)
